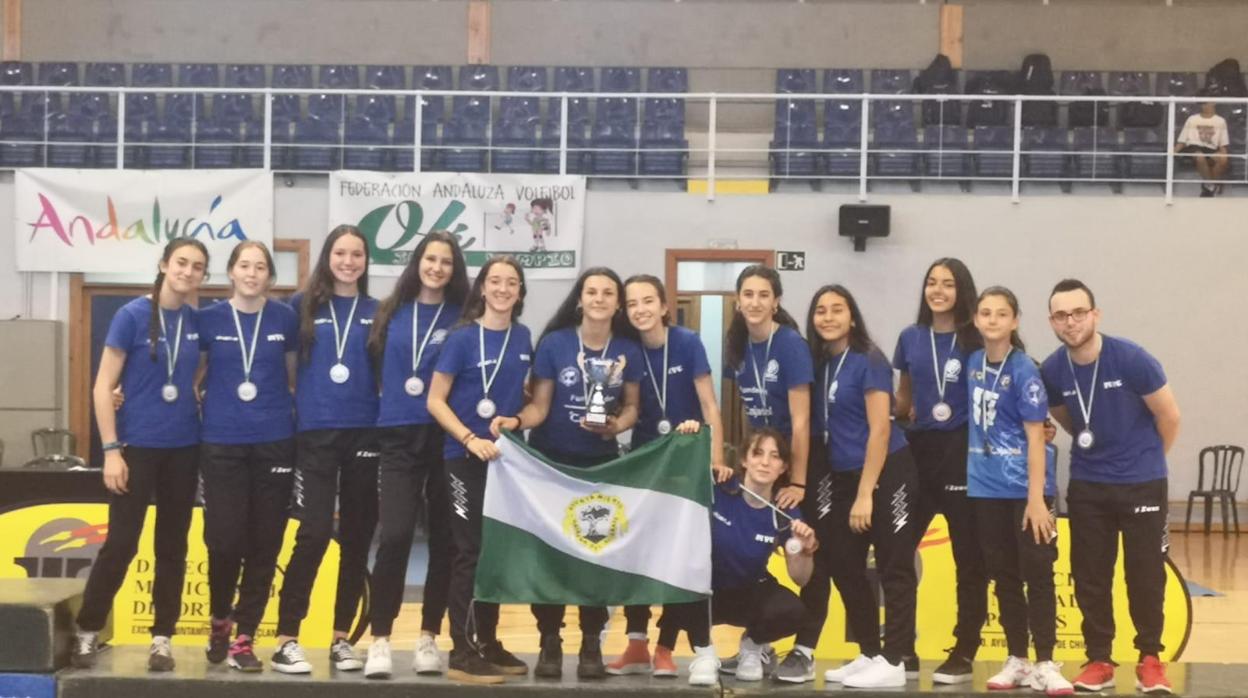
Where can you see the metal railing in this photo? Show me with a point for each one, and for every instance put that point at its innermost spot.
(724, 137)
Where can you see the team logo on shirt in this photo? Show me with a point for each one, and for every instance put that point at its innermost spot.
(595, 521)
(953, 369)
(1005, 381)
(437, 337)
(773, 372)
(832, 392)
(569, 376)
(1033, 391)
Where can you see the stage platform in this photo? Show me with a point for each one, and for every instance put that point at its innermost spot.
(122, 673)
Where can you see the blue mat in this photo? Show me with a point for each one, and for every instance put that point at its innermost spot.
(1198, 590)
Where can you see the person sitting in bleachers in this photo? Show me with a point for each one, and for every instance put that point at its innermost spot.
(1205, 137)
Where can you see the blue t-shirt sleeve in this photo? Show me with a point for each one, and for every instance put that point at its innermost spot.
(121, 331)
(701, 364)
(634, 364)
(879, 374)
(1033, 400)
(795, 357)
(899, 354)
(1142, 372)
(453, 354)
(1051, 386)
(544, 363)
(290, 328)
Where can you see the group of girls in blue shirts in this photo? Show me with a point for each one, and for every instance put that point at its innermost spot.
(396, 405)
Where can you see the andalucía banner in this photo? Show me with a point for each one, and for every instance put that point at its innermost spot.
(120, 220)
(635, 530)
(539, 219)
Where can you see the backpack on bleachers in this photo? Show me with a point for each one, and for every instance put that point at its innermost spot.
(1225, 80)
(994, 113)
(939, 77)
(1036, 78)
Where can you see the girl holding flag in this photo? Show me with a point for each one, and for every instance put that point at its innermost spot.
(676, 387)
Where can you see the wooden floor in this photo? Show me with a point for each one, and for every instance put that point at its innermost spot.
(1215, 561)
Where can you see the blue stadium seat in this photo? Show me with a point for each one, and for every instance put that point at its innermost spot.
(168, 144)
(993, 146)
(366, 142)
(1130, 84)
(58, 74)
(526, 78)
(891, 82)
(1080, 82)
(281, 153)
(104, 154)
(385, 77)
(842, 151)
(843, 81)
(1096, 155)
(69, 139)
(1046, 153)
(613, 140)
(667, 80)
(795, 80)
(338, 77)
(940, 160)
(895, 82)
(316, 145)
(1144, 153)
(1135, 114)
(567, 79)
(217, 143)
(664, 148)
(291, 77)
(151, 75)
(381, 108)
(478, 78)
(466, 134)
(517, 125)
(574, 79)
(244, 75)
(142, 106)
(104, 75)
(620, 80)
(1179, 85)
(199, 75)
(888, 160)
(404, 142)
(430, 77)
(17, 73)
(795, 139)
(21, 142)
(182, 106)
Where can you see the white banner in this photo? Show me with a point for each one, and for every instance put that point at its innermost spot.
(539, 219)
(120, 220)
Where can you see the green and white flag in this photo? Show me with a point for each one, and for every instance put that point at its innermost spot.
(635, 530)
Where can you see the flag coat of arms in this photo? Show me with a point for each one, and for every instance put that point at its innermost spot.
(635, 530)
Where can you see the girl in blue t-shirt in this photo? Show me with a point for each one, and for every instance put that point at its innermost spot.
(335, 446)
(1012, 490)
(566, 416)
(676, 387)
(408, 333)
(477, 389)
(931, 395)
(248, 351)
(871, 488)
(151, 446)
(747, 528)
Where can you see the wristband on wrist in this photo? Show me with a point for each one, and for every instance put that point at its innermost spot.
(799, 485)
(468, 437)
(112, 446)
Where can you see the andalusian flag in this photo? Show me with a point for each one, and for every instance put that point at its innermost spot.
(635, 530)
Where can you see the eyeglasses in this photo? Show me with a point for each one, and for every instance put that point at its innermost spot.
(1078, 315)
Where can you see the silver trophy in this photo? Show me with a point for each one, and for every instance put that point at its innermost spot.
(599, 372)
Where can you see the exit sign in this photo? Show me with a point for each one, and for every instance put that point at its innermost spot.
(791, 261)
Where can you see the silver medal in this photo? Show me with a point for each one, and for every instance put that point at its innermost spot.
(169, 392)
(665, 426)
(339, 373)
(247, 391)
(942, 412)
(414, 386)
(1085, 440)
(793, 546)
(486, 409)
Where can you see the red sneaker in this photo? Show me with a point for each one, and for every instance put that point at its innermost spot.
(1150, 676)
(1095, 676)
(635, 660)
(663, 664)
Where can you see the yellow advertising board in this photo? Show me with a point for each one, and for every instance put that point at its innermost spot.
(937, 610)
(62, 540)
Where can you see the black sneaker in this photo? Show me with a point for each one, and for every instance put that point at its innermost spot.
(797, 667)
(160, 656)
(243, 657)
(470, 667)
(954, 670)
(589, 663)
(550, 658)
(912, 667)
(86, 647)
(290, 659)
(508, 663)
(219, 641)
(1206, 192)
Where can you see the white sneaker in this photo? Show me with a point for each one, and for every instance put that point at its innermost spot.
(1013, 675)
(378, 665)
(426, 659)
(749, 661)
(850, 668)
(880, 674)
(1047, 677)
(704, 669)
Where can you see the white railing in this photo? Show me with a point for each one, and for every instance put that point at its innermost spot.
(726, 136)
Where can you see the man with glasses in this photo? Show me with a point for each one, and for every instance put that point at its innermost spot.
(1111, 395)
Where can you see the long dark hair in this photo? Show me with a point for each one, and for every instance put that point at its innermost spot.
(658, 288)
(859, 338)
(738, 335)
(153, 321)
(1012, 301)
(474, 307)
(408, 287)
(963, 306)
(569, 313)
(320, 286)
